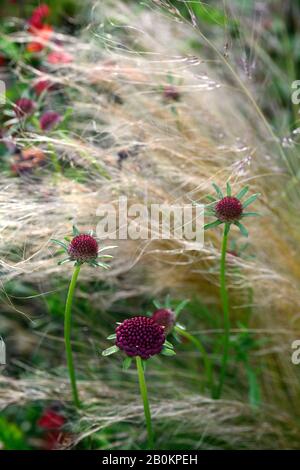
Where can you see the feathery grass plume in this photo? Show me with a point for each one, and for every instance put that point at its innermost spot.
(217, 133)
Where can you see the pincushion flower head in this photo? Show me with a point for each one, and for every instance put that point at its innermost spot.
(84, 248)
(166, 318)
(140, 336)
(166, 314)
(230, 209)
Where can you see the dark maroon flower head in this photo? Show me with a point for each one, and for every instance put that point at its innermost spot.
(166, 318)
(171, 93)
(83, 248)
(23, 107)
(229, 209)
(49, 120)
(140, 336)
(42, 85)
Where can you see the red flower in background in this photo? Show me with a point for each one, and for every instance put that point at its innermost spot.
(2, 60)
(27, 160)
(23, 107)
(42, 85)
(39, 29)
(59, 57)
(51, 420)
(55, 439)
(38, 15)
(49, 120)
(44, 33)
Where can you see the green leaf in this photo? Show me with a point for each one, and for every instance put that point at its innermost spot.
(210, 211)
(11, 436)
(107, 248)
(209, 14)
(75, 231)
(254, 389)
(168, 302)
(156, 304)
(168, 352)
(228, 189)
(62, 244)
(113, 336)
(181, 306)
(218, 190)
(100, 265)
(210, 198)
(9, 48)
(109, 351)
(242, 192)
(250, 200)
(250, 214)
(63, 261)
(127, 363)
(169, 345)
(242, 228)
(212, 224)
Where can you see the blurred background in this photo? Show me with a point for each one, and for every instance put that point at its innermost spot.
(53, 169)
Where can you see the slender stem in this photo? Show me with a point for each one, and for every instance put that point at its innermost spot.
(201, 349)
(225, 305)
(143, 389)
(68, 320)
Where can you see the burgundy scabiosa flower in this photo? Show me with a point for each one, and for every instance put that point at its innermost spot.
(49, 120)
(23, 107)
(83, 248)
(140, 336)
(165, 318)
(230, 209)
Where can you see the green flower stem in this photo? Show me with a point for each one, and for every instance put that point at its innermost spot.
(143, 389)
(68, 320)
(225, 305)
(201, 349)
